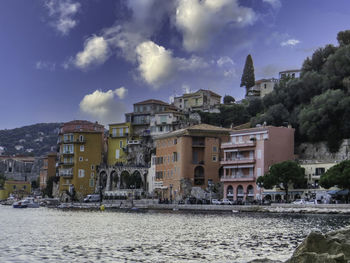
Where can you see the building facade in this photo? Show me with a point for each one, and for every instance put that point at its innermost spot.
(166, 121)
(201, 100)
(188, 158)
(48, 169)
(314, 170)
(292, 73)
(262, 88)
(118, 139)
(15, 188)
(81, 149)
(249, 154)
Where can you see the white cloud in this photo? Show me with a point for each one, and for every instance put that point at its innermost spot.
(200, 21)
(222, 61)
(290, 42)
(276, 4)
(227, 65)
(121, 92)
(95, 52)
(157, 64)
(45, 65)
(102, 106)
(63, 13)
(186, 88)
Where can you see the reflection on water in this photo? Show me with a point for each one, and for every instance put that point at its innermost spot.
(47, 235)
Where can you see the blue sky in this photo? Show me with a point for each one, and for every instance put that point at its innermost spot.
(70, 59)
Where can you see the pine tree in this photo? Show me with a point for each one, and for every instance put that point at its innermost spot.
(248, 78)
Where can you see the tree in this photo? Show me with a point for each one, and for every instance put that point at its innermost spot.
(2, 180)
(228, 99)
(338, 175)
(282, 175)
(248, 77)
(343, 37)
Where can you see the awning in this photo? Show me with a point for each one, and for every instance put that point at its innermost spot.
(343, 192)
(332, 192)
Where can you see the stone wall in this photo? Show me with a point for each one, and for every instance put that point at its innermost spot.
(319, 151)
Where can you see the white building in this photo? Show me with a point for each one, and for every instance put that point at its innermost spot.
(165, 122)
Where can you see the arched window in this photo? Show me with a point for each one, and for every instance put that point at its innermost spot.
(199, 175)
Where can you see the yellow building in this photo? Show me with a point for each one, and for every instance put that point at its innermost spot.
(17, 188)
(81, 150)
(119, 135)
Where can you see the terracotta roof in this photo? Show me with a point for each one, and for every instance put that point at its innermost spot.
(151, 101)
(261, 128)
(195, 128)
(198, 91)
(82, 126)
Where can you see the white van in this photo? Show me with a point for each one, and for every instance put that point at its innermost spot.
(92, 198)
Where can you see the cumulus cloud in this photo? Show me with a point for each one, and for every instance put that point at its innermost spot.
(200, 21)
(186, 88)
(95, 52)
(102, 106)
(158, 65)
(63, 13)
(227, 65)
(290, 42)
(276, 4)
(121, 92)
(45, 65)
(222, 61)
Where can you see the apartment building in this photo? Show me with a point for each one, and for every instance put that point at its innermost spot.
(48, 169)
(262, 88)
(201, 100)
(249, 154)
(118, 139)
(188, 158)
(81, 149)
(292, 73)
(166, 121)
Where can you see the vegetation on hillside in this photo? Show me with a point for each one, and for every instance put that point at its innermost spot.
(38, 137)
(316, 104)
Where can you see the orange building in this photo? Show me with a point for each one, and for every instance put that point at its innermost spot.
(48, 169)
(188, 157)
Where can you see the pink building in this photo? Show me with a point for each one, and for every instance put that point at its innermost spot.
(249, 154)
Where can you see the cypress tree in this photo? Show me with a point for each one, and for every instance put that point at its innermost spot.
(248, 78)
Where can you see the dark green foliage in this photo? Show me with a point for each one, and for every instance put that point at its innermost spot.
(254, 106)
(318, 59)
(2, 180)
(10, 138)
(338, 175)
(326, 117)
(343, 37)
(248, 77)
(282, 175)
(235, 114)
(49, 186)
(276, 115)
(228, 99)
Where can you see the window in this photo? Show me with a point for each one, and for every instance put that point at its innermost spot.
(117, 154)
(81, 173)
(81, 158)
(120, 144)
(127, 130)
(14, 187)
(68, 148)
(174, 156)
(91, 182)
(92, 167)
(215, 149)
(81, 148)
(175, 141)
(120, 131)
(114, 132)
(81, 138)
(259, 154)
(92, 175)
(214, 158)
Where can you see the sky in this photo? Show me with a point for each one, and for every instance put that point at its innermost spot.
(92, 59)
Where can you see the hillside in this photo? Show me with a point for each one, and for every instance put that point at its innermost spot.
(36, 140)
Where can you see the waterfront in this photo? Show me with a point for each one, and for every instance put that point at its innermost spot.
(50, 235)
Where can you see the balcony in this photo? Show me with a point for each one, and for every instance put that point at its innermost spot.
(198, 144)
(228, 145)
(65, 173)
(67, 153)
(238, 161)
(237, 178)
(67, 163)
(133, 142)
(118, 135)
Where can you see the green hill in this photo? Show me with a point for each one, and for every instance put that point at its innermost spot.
(35, 140)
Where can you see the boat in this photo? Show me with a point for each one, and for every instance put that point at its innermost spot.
(19, 204)
(26, 203)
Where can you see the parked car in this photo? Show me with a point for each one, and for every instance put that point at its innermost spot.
(92, 198)
(226, 202)
(216, 202)
(299, 202)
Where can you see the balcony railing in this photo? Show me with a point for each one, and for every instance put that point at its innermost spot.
(67, 153)
(237, 161)
(237, 178)
(66, 173)
(198, 144)
(237, 145)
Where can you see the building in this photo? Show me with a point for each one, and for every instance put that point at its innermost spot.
(118, 138)
(188, 158)
(15, 188)
(140, 118)
(20, 168)
(166, 121)
(81, 149)
(292, 73)
(262, 87)
(48, 169)
(201, 100)
(314, 170)
(249, 154)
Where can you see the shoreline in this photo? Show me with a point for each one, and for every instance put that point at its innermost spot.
(274, 208)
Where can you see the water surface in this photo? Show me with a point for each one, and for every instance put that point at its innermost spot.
(49, 235)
